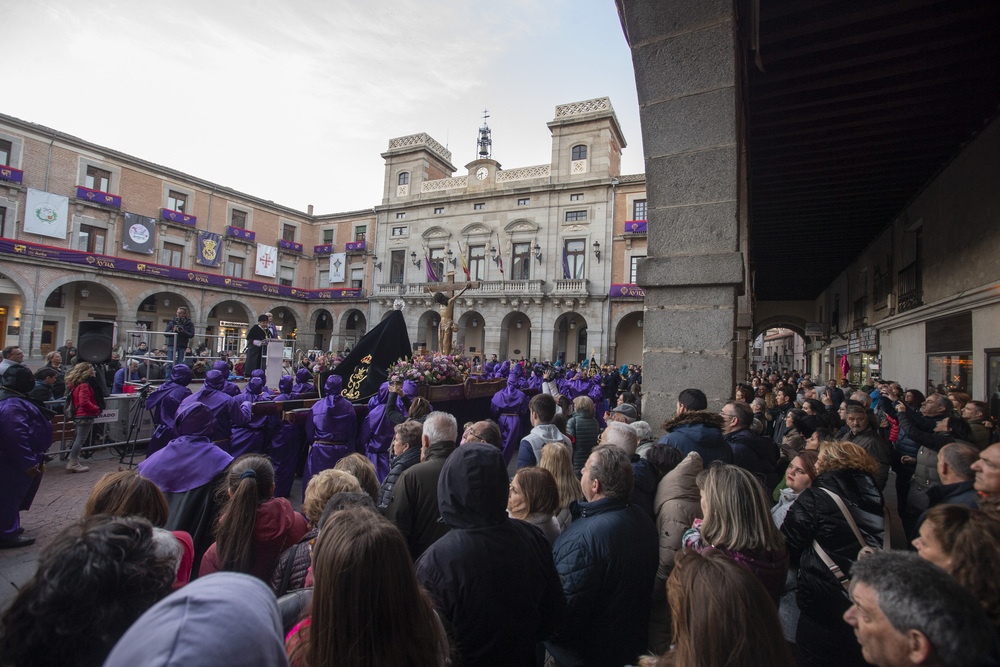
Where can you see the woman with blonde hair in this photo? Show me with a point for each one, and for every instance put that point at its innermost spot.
(363, 470)
(556, 459)
(846, 473)
(721, 617)
(83, 407)
(287, 576)
(737, 521)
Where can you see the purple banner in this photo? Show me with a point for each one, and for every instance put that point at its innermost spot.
(182, 218)
(627, 291)
(98, 197)
(244, 234)
(11, 174)
(635, 227)
(359, 245)
(323, 249)
(108, 263)
(289, 245)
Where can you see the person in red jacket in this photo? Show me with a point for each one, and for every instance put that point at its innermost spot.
(84, 410)
(254, 526)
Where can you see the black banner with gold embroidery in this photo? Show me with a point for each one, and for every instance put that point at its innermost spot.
(367, 366)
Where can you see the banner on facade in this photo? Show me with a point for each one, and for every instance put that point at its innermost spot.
(626, 290)
(46, 214)
(338, 262)
(635, 227)
(139, 234)
(209, 249)
(131, 266)
(267, 260)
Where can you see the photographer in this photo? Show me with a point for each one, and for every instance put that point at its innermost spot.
(183, 327)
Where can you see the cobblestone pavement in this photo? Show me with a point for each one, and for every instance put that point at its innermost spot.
(59, 502)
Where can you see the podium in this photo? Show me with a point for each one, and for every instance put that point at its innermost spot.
(271, 357)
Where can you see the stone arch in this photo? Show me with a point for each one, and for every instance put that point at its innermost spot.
(521, 225)
(628, 338)
(569, 331)
(476, 228)
(189, 301)
(121, 301)
(296, 314)
(471, 335)
(351, 327)
(427, 329)
(21, 285)
(796, 324)
(251, 312)
(436, 232)
(515, 341)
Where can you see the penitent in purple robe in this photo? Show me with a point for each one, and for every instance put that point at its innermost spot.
(163, 403)
(509, 408)
(377, 432)
(230, 388)
(502, 371)
(190, 459)
(380, 398)
(331, 428)
(27, 435)
(302, 382)
(285, 443)
(251, 438)
(228, 411)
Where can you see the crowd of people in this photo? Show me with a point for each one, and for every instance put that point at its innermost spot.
(557, 530)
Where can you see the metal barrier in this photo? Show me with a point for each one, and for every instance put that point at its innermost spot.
(115, 421)
(155, 364)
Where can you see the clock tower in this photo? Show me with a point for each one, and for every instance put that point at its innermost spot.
(483, 171)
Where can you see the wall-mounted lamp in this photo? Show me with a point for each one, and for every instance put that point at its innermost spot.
(640, 324)
(451, 257)
(597, 251)
(494, 255)
(166, 302)
(414, 260)
(229, 309)
(572, 324)
(538, 252)
(519, 324)
(475, 322)
(84, 292)
(377, 265)
(434, 322)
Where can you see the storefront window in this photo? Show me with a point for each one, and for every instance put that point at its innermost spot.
(993, 380)
(954, 371)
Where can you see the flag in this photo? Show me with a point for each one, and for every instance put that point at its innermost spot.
(465, 267)
(431, 276)
(267, 260)
(209, 249)
(500, 257)
(338, 263)
(566, 273)
(367, 365)
(46, 214)
(139, 234)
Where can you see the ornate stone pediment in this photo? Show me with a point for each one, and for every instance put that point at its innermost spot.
(521, 226)
(476, 228)
(436, 233)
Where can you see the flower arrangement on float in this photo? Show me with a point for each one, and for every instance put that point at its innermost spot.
(432, 368)
(325, 362)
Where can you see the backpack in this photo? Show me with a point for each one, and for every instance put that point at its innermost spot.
(69, 407)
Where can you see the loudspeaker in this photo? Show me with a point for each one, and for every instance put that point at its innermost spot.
(94, 341)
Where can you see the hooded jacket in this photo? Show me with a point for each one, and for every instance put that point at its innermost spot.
(492, 577)
(277, 526)
(607, 561)
(529, 452)
(225, 619)
(815, 516)
(698, 431)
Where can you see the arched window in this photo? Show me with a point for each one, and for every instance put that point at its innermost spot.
(580, 152)
(404, 178)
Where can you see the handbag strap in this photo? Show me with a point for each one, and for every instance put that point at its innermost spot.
(286, 576)
(834, 568)
(854, 526)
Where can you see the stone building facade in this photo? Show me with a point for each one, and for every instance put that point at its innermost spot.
(549, 247)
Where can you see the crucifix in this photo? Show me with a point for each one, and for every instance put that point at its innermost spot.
(447, 327)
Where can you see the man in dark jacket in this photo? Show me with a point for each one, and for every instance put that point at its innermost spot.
(183, 329)
(607, 559)
(751, 452)
(491, 577)
(413, 505)
(859, 421)
(786, 401)
(694, 429)
(954, 466)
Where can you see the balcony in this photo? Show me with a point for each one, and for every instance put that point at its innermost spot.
(911, 293)
(388, 289)
(573, 287)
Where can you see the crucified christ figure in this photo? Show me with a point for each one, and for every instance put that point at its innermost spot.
(447, 327)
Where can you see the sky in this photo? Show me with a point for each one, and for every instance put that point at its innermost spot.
(294, 101)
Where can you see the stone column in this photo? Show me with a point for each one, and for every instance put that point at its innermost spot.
(686, 68)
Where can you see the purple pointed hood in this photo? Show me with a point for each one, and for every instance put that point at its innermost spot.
(215, 380)
(257, 373)
(334, 385)
(303, 375)
(514, 378)
(194, 419)
(285, 384)
(181, 374)
(255, 386)
(221, 366)
(410, 389)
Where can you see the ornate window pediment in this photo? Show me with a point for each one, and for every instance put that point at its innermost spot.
(476, 228)
(521, 226)
(436, 233)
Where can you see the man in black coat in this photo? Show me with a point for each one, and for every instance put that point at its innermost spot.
(492, 577)
(751, 452)
(183, 329)
(255, 346)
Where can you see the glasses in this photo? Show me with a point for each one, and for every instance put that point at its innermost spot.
(475, 435)
(727, 415)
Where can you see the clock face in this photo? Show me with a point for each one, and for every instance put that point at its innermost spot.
(482, 173)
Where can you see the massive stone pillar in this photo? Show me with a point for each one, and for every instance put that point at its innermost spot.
(687, 71)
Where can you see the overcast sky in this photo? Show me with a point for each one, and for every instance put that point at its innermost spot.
(294, 101)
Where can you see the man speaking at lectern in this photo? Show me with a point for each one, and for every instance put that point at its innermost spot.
(256, 336)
